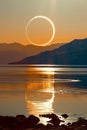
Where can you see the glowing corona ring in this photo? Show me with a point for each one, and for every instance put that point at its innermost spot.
(53, 30)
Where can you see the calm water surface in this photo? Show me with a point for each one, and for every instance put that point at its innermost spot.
(41, 89)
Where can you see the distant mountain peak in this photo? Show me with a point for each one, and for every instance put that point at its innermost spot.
(16, 51)
(74, 53)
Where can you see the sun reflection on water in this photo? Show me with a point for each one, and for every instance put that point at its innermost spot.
(40, 93)
(49, 89)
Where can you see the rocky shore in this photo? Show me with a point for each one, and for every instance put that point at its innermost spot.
(20, 122)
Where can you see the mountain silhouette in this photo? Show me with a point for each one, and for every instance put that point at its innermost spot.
(16, 51)
(73, 53)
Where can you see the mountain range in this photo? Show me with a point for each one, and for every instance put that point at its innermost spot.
(15, 51)
(73, 53)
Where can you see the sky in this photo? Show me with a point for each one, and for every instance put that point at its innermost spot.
(68, 16)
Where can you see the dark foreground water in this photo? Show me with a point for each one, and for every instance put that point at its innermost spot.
(42, 89)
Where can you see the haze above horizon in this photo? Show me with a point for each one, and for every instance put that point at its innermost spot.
(69, 17)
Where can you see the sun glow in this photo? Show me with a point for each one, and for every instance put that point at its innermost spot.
(50, 22)
(46, 70)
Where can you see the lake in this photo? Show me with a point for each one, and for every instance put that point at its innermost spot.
(43, 89)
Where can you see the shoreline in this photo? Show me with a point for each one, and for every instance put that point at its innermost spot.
(20, 122)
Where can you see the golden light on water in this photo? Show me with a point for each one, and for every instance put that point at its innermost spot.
(44, 88)
(46, 70)
(38, 106)
(40, 93)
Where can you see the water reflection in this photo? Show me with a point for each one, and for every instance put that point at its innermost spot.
(50, 93)
(43, 89)
(40, 92)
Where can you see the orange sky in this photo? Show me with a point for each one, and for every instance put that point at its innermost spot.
(69, 18)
